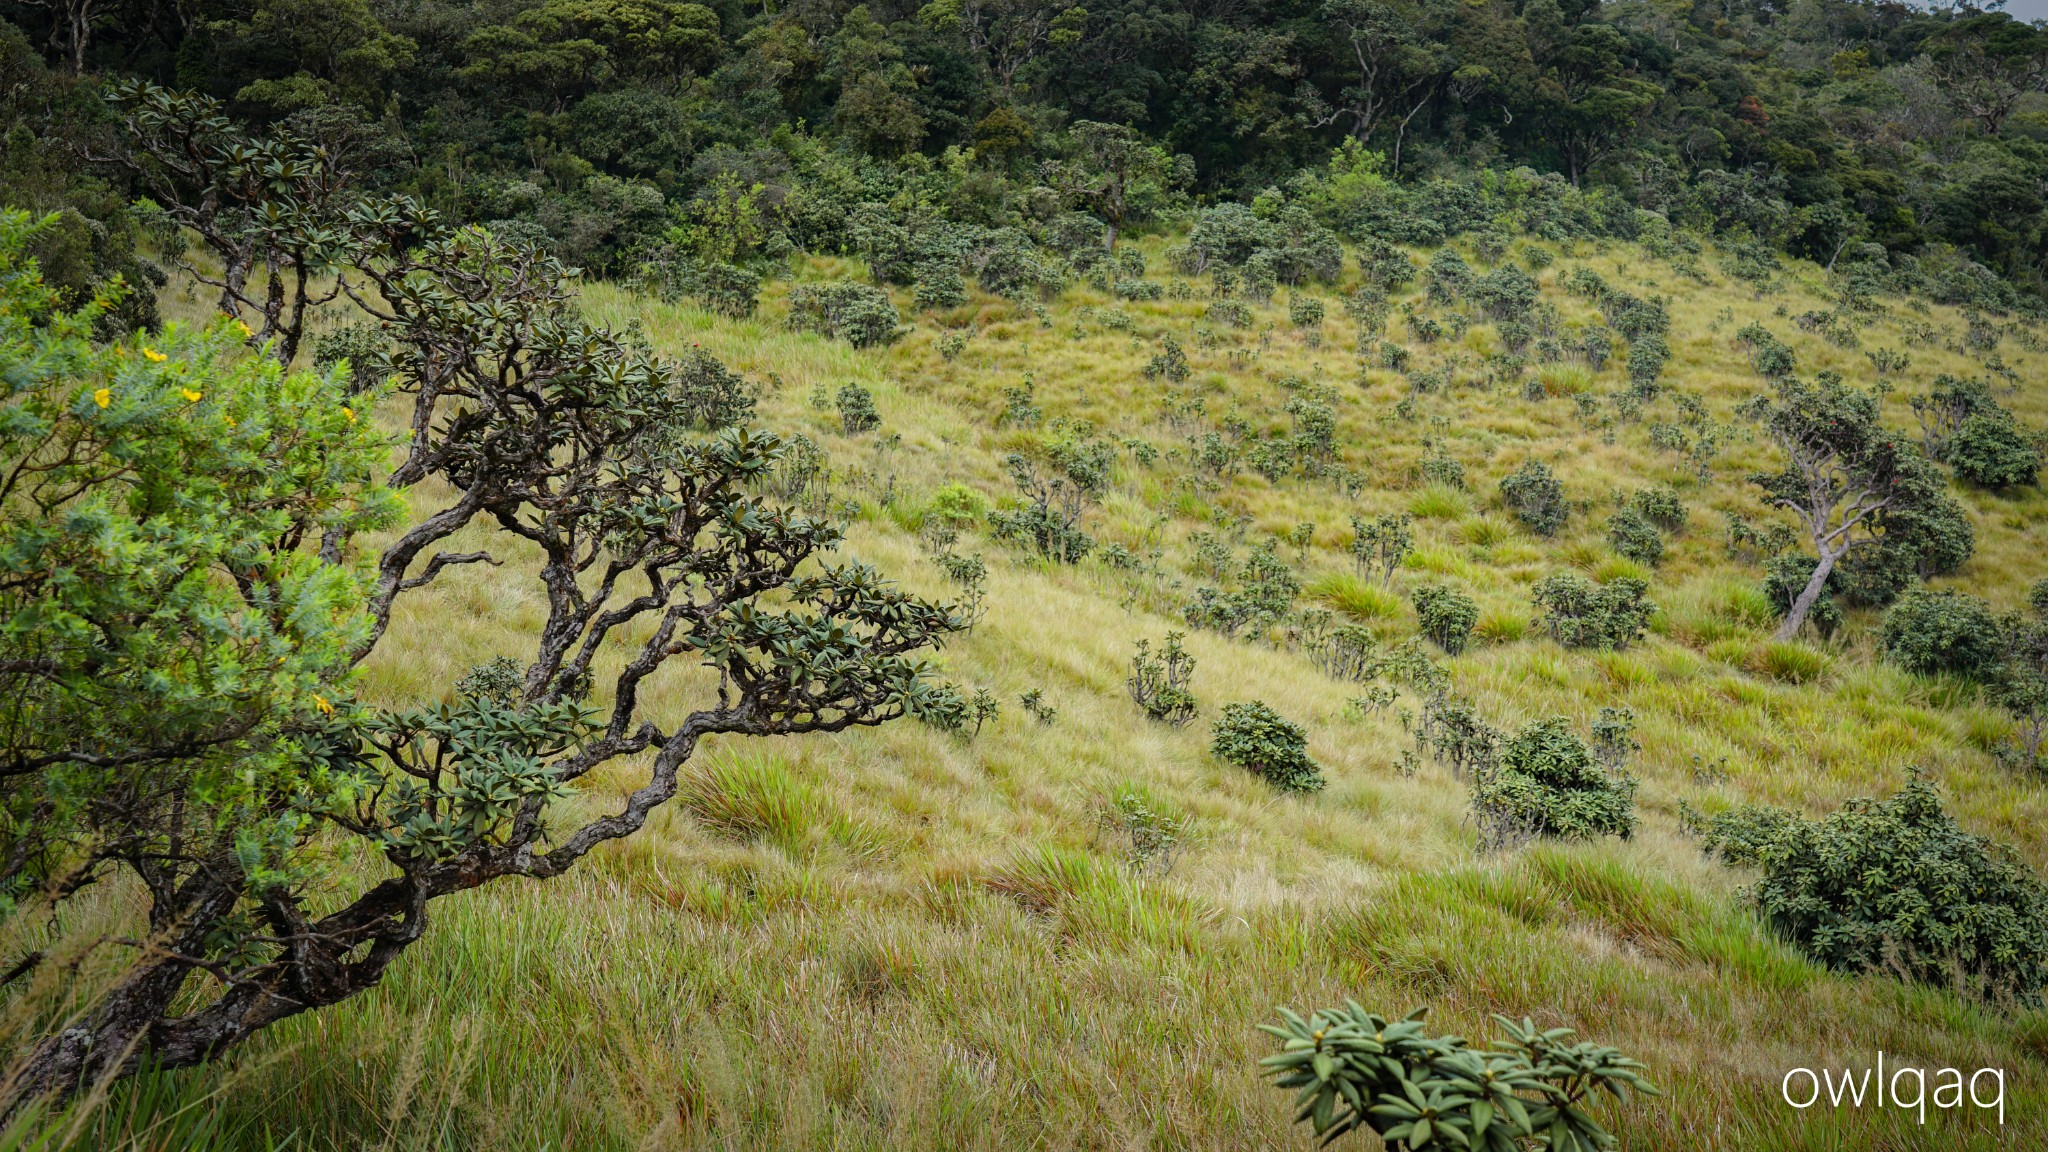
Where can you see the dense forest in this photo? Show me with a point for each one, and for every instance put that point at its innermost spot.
(1907, 143)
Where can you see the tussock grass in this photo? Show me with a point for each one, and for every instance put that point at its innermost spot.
(896, 938)
(1357, 598)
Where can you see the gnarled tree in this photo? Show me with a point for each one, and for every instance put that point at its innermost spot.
(1845, 475)
(651, 543)
(268, 208)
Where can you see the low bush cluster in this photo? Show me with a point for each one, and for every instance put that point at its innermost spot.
(1930, 632)
(1445, 616)
(1548, 782)
(859, 314)
(1261, 741)
(1159, 683)
(1533, 494)
(1581, 614)
(1895, 885)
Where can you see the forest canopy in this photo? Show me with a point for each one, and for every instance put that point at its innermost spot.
(1876, 138)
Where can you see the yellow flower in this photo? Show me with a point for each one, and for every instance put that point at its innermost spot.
(245, 329)
(103, 397)
(190, 396)
(153, 354)
(349, 412)
(231, 421)
(321, 703)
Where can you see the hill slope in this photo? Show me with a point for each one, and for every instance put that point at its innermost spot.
(910, 939)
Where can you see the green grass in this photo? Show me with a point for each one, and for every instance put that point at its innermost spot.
(1354, 596)
(897, 938)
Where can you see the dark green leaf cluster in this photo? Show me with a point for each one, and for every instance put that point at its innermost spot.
(1933, 631)
(1159, 683)
(861, 315)
(1262, 594)
(1446, 616)
(1548, 781)
(674, 274)
(1895, 885)
(1965, 427)
(1535, 497)
(1352, 1069)
(1261, 741)
(857, 413)
(1581, 614)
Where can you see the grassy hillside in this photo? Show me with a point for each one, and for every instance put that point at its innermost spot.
(903, 938)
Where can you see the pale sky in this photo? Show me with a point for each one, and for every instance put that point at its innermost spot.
(2027, 9)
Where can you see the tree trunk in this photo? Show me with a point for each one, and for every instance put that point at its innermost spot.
(1810, 596)
(1109, 231)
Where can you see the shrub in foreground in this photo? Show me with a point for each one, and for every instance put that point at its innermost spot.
(1266, 744)
(1895, 884)
(1353, 1069)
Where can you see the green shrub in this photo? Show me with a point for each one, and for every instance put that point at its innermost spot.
(859, 314)
(1506, 293)
(1266, 744)
(1445, 616)
(711, 395)
(1351, 1069)
(675, 275)
(1384, 266)
(1159, 684)
(1931, 631)
(1169, 362)
(1447, 278)
(1632, 535)
(1896, 885)
(1548, 782)
(1304, 311)
(1265, 588)
(365, 350)
(1533, 494)
(1581, 614)
(1994, 451)
(1439, 467)
(1964, 426)
(1647, 356)
(1231, 312)
(857, 411)
(1660, 506)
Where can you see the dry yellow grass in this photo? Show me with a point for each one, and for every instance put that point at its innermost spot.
(826, 946)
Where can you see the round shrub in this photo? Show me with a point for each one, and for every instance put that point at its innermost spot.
(1304, 311)
(1266, 744)
(1632, 535)
(857, 412)
(1895, 885)
(1549, 782)
(1660, 506)
(362, 347)
(1446, 616)
(1582, 614)
(1930, 631)
(1533, 494)
(1993, 451)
